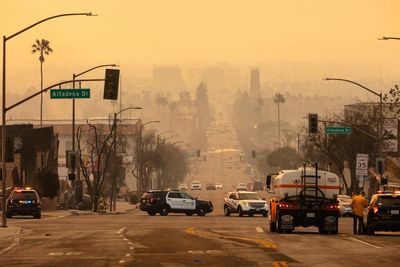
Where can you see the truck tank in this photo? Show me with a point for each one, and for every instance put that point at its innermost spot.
(288, 183)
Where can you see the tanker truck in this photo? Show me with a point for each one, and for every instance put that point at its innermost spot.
(303, 197)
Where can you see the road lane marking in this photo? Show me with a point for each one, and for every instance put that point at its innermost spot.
(196, 252)
(128, 254)
(259, 230)
(203, 234)
(56, 253)
(76, 253)
(122, 231)
(121, 261)
(131, 248)
(280, 264)
(365, 243)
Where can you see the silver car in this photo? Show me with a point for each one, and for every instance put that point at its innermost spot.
(345, 205)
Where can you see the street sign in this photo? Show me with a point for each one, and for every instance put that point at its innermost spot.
(69, 93)
(362, 165)
(338, 130)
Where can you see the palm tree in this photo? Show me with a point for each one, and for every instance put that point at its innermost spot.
(42, 47)
(279, 98)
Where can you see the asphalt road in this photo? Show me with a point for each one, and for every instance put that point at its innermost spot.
(137, 239)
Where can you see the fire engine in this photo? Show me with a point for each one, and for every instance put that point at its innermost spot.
(304, 197)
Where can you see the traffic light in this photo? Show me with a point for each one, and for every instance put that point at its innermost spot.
(111, 84)
(380, 167)
(253, 154)
(313, 123)
(71, 159)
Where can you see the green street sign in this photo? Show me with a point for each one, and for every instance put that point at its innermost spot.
(69, 93)
(338, 130)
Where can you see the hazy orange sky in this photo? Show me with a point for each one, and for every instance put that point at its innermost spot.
(250, 33)
(176, 31)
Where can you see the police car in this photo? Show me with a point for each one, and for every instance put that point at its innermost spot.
(23, 201)
(164, 202)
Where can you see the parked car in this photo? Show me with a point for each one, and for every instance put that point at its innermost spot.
(211, 187)
(245, 202)
(196, 185)
(23, 201)
(164, 202)
(241, 186)
(383, 213)
(345, 205)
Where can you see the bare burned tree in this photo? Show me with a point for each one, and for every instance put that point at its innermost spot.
(98, 144)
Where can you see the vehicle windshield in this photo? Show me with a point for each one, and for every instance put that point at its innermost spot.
(24, 194)
(389, 200)
(249, 196)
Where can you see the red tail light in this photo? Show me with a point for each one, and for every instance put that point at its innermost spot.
(286, 205)
(332, 206)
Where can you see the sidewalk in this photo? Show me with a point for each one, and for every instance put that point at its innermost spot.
(122, 207)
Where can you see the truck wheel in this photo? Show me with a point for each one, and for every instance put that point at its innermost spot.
(251, 214)
(272, 226)
(240, 211)
(226, 211)
(151, 213)
(189, 213)
(8, 215)
(164, 210)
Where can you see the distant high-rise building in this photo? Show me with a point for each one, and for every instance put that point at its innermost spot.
(255, 83)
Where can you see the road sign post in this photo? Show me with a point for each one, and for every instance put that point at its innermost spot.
(338, 130)
(69, 93)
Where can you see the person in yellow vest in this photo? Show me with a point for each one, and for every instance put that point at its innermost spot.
(359, 203)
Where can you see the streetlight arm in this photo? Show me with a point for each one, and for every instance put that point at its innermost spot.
(96, 67)
(389, 38)
(176, 135)
(349, 81)
(46, 89)
(46, 19)
(128, 108)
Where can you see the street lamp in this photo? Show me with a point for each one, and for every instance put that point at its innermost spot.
(4, 109)
(112, 195)
(140, 149)
(74, 76)
(380, 130)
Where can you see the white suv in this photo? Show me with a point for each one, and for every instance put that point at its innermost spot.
(245, 202)
(196, 185)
